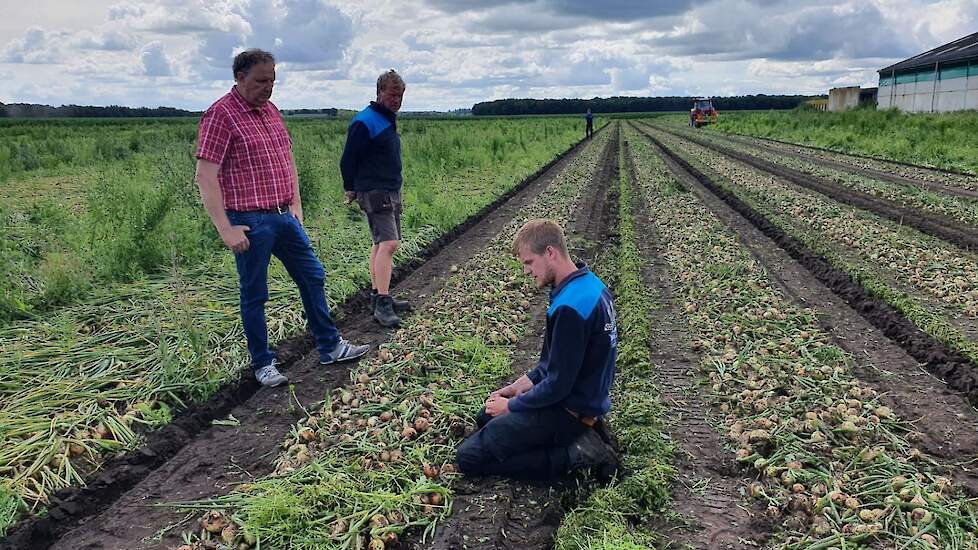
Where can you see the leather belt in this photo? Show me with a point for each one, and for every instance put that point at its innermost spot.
(277, 209)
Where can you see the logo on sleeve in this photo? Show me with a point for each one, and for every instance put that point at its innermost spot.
(611, 326)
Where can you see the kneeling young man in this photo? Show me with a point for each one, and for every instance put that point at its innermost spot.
(542, 425)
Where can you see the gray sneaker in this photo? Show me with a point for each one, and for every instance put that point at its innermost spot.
(589, 451)
(344, 351)
(269, 376)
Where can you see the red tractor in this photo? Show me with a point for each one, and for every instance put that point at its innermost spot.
(702, 113)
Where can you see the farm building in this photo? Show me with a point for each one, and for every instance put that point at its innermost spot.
(819, 104)
(850, 97)
(942, 79)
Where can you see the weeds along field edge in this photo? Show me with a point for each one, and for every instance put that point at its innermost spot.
(611, 517)
(944, 204)
(942, 140)
(85, 380)
(373, 460)
(834, 466)
(938, 282)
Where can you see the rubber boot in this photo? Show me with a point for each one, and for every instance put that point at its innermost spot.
(400, 306)
(384, 311)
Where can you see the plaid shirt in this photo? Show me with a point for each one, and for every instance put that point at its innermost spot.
(253, 149)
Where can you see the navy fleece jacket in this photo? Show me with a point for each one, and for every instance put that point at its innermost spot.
(577, 363)
(372, 156)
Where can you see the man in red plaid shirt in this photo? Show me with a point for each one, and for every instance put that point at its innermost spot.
(249, 186)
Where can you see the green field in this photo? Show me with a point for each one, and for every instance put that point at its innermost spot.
(944, 140)
(737, 395)
(118, 301)
(90, 202)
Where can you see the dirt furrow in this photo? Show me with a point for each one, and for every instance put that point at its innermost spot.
(707, 492)
(192, 459)
(868, 172)
(938, 172)
(492, 513)
(942, 227)
(950, 366)
(943, 420)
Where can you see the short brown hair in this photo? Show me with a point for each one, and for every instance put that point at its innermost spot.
(537, 235)
(389, 78)
(244, 61)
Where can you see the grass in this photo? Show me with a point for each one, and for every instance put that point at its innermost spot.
(941, 140)
(79, 214)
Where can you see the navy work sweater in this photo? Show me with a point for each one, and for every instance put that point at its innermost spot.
(372, 157)
(577, 364)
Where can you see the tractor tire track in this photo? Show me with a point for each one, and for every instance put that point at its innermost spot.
(867, 172)
(940, 172)
(959, 234)
(879, 338)
(709, 481)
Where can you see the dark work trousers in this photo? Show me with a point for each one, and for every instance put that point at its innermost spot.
(280, 235)
(524, 445)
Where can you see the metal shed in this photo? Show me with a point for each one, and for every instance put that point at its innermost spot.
(939, 80)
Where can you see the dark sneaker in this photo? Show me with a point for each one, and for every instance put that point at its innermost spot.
(269, 376)
(384, 311)
(344, 351)
(589, 451)
(400, 306)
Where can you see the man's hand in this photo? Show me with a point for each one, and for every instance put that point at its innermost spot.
(516, 389)
(505, 391)
(349, 197)
(296, 211)
(497, 406)
(234, 238)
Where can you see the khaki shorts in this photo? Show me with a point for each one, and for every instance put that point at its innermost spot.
(383, 210)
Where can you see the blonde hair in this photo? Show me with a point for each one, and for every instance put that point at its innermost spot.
(537, 235)
(389, 78)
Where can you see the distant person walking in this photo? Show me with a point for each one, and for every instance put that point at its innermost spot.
(249, 187)
(371, 168)
(588, 124)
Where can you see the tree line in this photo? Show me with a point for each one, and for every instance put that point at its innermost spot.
(633, 104)
(497, 107)
(34, 110)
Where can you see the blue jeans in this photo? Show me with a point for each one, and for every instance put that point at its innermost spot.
(281, 235)
(525, 445)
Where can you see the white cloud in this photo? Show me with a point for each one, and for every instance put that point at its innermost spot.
(36, 46)
(456, 52)
(108, 40)
(580, 10)
(307, 34)
(175, 17)
(303, 34)
(155, 62)
(932, 22)
(786, 31)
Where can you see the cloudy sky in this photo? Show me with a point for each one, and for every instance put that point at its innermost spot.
(454, 53)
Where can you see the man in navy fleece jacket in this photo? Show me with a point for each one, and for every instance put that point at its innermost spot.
(541, 426)
(371, 168)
